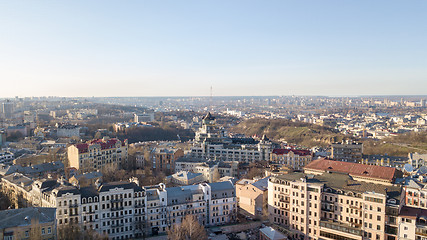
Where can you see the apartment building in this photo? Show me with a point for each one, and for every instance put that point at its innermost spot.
(66, 130)
(412, 223)
(143, 117)
(6, 157)
(210, 142)
(360, 172)
(331, 206)
(113, 208)
(211, 170)
(291, 158)
(17, 188)
(417, 160)
(96, 154)
(124, 210)
(348, 151)
(221, 202)
(252, 196)
(28, 223)
(185, 178)
(164, 158)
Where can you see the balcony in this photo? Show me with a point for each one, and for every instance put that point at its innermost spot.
(117, 209)
(116, 200)
(117, 225)
(342, 227)
(327, 209)
(421, 230)
(73, 205)
(117, 217)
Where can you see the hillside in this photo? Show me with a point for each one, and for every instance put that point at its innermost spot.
(304, 134)
(399, 145)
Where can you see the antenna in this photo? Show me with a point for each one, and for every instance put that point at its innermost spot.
(211, 100)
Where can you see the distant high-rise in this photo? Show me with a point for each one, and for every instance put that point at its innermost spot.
(7, 109)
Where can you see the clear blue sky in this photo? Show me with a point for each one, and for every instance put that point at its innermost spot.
(182, 47)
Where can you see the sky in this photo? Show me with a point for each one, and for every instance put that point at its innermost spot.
(239, 47)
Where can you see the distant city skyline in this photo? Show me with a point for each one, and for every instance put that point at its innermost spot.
(240, 48)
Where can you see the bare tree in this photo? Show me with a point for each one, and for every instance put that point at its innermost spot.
(74, 232)
(189, 229)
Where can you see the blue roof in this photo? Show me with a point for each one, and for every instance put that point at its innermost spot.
(262, 184)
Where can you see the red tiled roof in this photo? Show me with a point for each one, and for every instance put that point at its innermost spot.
(110, 143)
(83, 147)
(355, 169)
(410, 212)
(280, 151)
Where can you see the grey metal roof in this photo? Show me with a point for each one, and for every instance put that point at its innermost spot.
(261, 184)
(23, 216)
(125, 185)
(67, 189)
(88, 192)
(222, 189)
(35, 169)
(19, 179)
(182, 194)
(187, 175)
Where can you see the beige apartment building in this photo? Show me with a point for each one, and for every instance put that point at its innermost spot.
(291, 158)
(359, 172)
(28, 223)
(252, 196)
(96, 154)
(332, 206)
(164, 159)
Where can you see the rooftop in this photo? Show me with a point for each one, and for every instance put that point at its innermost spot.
(354, 169)
(24, 216)
(279, 151)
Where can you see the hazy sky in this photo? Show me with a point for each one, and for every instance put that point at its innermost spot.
(182, 47)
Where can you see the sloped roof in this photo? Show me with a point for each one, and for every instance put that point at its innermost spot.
(187, 175)
(181, 194)
(412, 184)
(410, 212)
(23, 216)
(105, 144)
(354, 169)
(273, 234)
(280, 151)
(262, 184)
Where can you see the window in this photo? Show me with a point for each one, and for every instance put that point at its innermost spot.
(49, 230)
(43, 231)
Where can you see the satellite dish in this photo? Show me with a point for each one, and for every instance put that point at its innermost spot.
(408, 167)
